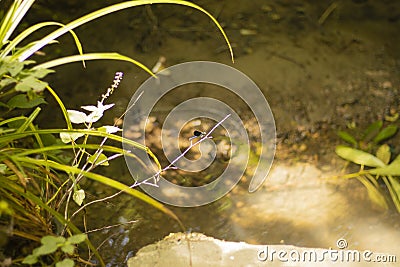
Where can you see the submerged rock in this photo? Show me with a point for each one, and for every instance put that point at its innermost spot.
(205, 251)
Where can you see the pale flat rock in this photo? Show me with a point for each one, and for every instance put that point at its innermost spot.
(207, 251)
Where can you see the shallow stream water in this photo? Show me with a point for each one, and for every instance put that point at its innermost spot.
(319, 73)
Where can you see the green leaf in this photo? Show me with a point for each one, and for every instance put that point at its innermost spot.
(6, 81)
(69, 137)
(358, 156)
(386, 133)
(79, 196)
(66, 263)
(21, 101)
(76, 239)
(22, 87)
(347, 137)
(48, 139)
(41, 73)
(46, 249)
(383, 153)
(372, 130)
(15, 67)
(373, 192)
(49, 245)
(30, 259)
(52, 240)
(30, 83)
(98, 158)
(391, 169)
(68, 248)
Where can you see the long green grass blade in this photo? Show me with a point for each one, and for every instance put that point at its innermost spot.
(102, 179)
(393, 185)
(28, 120)
(61, 104)
(13, 44)
(91, 56)
(106, 148)
(15, 136)
(14, 15)
(373, 192)
(108, 10)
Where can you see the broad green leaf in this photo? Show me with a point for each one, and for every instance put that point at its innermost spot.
(46, 249)
(30, 259)
(79, 196)
(21, 101)
(69, 137)
(391, 169)
(30, 83)
(347, 137)
(68, 248)
(48, 139)
(6, 81)
(77, 116)
(383, 153)
(65, 263)
(41, 73)
(52, 240)
(23, 87)
(15, 67)
(76, 239)
(372, 130)
(386, 133)
(358, 156)
(102, 159)
(373, 192)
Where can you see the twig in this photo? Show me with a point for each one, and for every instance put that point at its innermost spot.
(157, 175)
(327, 12)
(110, 226)
(206, 136)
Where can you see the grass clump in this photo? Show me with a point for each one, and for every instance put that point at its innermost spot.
(41, 169)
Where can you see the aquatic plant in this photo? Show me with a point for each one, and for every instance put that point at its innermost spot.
(374, 167)
(41, 169)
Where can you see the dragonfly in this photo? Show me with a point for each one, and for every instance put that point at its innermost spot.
(197, 134)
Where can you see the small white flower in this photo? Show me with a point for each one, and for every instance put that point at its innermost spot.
(76, 116)
(109, 129)
(96, 112)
